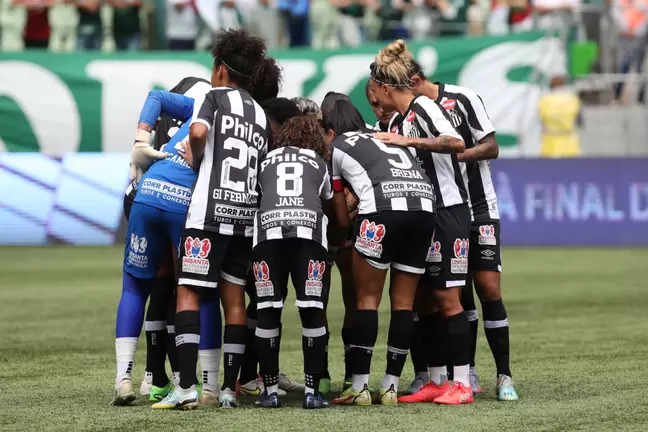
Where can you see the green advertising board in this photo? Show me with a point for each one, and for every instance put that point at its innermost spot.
(90, 102)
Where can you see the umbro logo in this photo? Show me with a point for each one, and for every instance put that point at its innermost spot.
(248, 101)
(488, 252)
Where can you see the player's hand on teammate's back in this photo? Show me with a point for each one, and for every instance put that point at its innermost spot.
(392, 138)
(143, 155)
(185, 153)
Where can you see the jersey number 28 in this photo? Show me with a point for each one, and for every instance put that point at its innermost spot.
(247, 159)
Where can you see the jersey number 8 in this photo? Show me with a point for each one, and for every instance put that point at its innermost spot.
(289, 179)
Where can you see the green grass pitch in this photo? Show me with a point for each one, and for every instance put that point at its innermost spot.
(579, 337)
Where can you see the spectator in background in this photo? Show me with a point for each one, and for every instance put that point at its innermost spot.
(295, 18)
(477, 15)
(90, 29)
(555, 15)
(453, 16)
(403, 19)
(324, 24)
(12, 23)
(63, 21)
(181, 25)
(37, 29)
(631, 20)
(263, 20)
(351, 13)
(126, 24)
(559, 111)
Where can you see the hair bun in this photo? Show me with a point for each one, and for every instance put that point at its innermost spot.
(394, 51)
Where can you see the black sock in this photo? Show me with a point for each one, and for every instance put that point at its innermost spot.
(347, 334)
(250, 360)
(314, 336)
(326, 373)
(171, 344)
(233, 350)
(401, 323)
(497, 332)
(187, 327)
(468, 303)
(417, 347)
(156, 337)
(267, 338)
(365, 333)
(458, 340)
(435, 339)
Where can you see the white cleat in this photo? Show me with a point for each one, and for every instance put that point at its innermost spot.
(227, 399)
(475, 381)
(147, 384)
(288, 385)
(124, 393)
(208, 397)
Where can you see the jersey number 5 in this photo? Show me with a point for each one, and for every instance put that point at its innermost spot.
(246, 161)
(403, 161)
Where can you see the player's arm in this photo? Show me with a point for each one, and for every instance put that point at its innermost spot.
(159, 102)
(200, 126)
(335, 233)
(436, 123)
(481, 129)
(339, 200)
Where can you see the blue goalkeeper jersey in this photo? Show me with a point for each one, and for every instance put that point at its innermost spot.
(168, 182)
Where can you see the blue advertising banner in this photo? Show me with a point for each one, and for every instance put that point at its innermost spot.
(77, 199)
(568, 202)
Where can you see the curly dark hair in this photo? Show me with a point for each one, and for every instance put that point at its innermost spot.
(303, 132)
(240, 53)
(265, 81)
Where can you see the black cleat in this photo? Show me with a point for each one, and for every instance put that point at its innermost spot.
(314, 401)
(269, 401)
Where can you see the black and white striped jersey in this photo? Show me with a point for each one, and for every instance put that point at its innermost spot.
(384, 177)
(468, 115)
(225, 197)
(426, 119)
(293, 183)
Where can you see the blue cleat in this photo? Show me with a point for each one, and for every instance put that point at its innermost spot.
(314, 401)
(269, 401)
(505, 389)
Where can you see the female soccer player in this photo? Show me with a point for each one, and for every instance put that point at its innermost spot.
(394, 228)
(290, 239)
(423, 124)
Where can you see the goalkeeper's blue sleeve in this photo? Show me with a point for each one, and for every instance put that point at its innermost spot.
(174, 105)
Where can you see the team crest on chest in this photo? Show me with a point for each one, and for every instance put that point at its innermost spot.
(450, 105)
(314, 284)
(195, 256)
(369, 238)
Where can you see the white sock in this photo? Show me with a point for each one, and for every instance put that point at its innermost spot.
(209, 364)
(461, 374)
(183, 392)
(438, 374)
(359, 381)
(308, 390)
(390, 380)
(125, 353)
(272, 389)
(424, 376)
(176, 379)
(148, 377)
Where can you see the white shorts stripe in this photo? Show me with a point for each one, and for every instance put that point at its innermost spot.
(397, 350)
(378, 265)
(408, 269)
(496, 324)
(270, 304)
(195, 282)
(309, 304)
(154, 325)
(452, 284)
(362, 347)
(232, 279)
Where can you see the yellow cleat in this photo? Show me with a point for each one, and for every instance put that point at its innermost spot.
(388, 396)
(354, 397)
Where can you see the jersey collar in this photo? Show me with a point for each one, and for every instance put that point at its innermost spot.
(441, 91)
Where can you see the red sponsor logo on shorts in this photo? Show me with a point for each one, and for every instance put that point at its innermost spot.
(459, 264)
(196, 252)
(264, 286)
(372, 231)
(314, 284)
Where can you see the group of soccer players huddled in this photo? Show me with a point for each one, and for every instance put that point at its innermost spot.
(242, 190)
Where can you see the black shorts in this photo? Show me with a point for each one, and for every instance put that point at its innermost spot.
(303, 260)
(205, 257)
(485, 253)
(399, 239)
(447, 258)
